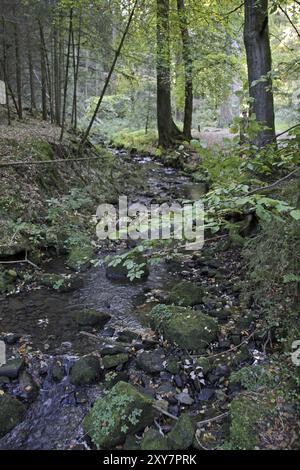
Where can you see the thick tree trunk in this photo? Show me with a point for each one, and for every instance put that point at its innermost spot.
(168, 132)
(4, 66)
(188, 67)
(259, 60)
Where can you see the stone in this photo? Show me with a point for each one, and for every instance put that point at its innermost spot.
(58, 371)
(173, 366)
(113, 361)
(151, 361)
(206, 394)
(184, 327)
(153, 440)
(85, 371)
(122, 411)
(28, 386)
(79, 258)
(12, 412)
(12, 368)
(11, 338)
(127, 336)
(182, 435)
(186, 293)
(204, 363)
(91, 317)
(112, 349)
(184, 398)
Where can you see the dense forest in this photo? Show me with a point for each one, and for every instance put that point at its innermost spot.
(149, 225)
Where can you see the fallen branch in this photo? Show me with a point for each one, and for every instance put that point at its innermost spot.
(160, 410)
(276, 183)
(61, 160)
(22, 261)
(210, 420)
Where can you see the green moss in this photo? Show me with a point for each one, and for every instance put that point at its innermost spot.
(253, 378)
(110, 362)
(185, 327)
(153, 440)
(186, 294)
(11, 413)
(182, 435)
(122, 411)
(80, 257)
(85, 371)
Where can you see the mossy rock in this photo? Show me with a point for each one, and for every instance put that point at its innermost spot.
(173, 366)
(247, 414)
(91, 317)
(110, 362)
(3, 284)
(79, 258)
(205, 364)
(185, 327)
(186, 294)
(12, 412)
(153, 440)
(85, 371)
(182, 435)
(120, 271)
(122, 411)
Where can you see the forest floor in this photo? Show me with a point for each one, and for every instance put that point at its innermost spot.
(236, 393)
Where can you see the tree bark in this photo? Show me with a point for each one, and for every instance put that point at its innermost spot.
(188, 69)
(44, 83)
(30, 69)
(18, 69)
(66, 76)
(259, 61)
(5, 72)
(168, 132)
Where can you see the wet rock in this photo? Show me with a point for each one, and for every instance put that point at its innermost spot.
(173, 366)
(112, 349)
(178, 381)
(206, 394)
(120, 272)
(58, 371)
(123, 411)
(85, 371)
(11, 338)
(28, 386)
(184, 398)
(151, 361)
(61, 283)
(12, 368)
(186, 294)
(153, 440)
(184, 327)
(127, 336)
(182, 435)
(166, 389)
(91, 317)
(12, 412)
(79, 258)
(113, 361)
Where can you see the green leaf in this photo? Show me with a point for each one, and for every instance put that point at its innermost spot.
(295, 214)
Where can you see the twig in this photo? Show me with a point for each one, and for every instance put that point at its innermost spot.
(159, 427)
(210, 420)
(228, 351)
(289, 19)
(234, 10)
(157, 408)
(61, 160)
(272, 185)
(21, 262)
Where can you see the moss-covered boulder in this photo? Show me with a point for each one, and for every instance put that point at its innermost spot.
(12, 368)
(122, 411)
(152, 440)
(2, 282)
(12, 412)
(91, 317)
(247, 415)
(61, 283)
(132, 267)
(185, 327)
(85, 371)
(186, 294)
(182, 435)
(80, 257)
(112, 361)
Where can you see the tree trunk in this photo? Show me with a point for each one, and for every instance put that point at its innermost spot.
(259, 61)
(168, 132)
(66, 76)
(5, 72)
(188, 69)
(44, 83)
(76, 61)
(30, 69)
(18, 70)
(56, 76)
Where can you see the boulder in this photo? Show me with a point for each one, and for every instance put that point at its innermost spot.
(91, 317)
(80, 257)
(151, 361)
(121, 412)
(112, 361)
(182, 435)
(186, 293)
(12, 368)
(85, 371)
(184, 327)
(12, 412)
(153, 440)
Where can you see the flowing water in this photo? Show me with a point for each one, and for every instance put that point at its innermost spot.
(46, 322)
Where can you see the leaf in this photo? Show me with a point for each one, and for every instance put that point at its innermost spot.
(295, 214)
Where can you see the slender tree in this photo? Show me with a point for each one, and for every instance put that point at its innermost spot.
(67, 76)
(168, 132)
(259, 61)
(18, 68)
(188, 68)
